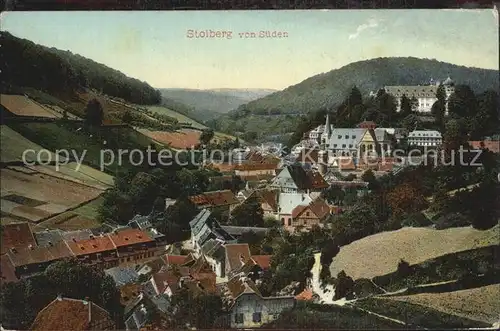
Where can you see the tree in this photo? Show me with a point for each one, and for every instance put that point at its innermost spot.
(253, 240)
(206, 136)
(441, 93)
(328, 252)
(175, 223)
(334, 194)
(405, 198)
(414, 104)
(369, 177)
(405, 109)
(462, 103)
(438, 110)
(249, 213)
(404, 269)
(69, 278)
(94, 113)
(455, 136)
(127, 117)
(200, 311)
(343, 285)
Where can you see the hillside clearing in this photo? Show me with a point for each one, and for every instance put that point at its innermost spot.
(180, 117)
(85, 174)
(181, 139)
(480, 304)
(379, 254)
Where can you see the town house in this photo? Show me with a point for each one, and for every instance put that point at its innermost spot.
(220, 202)
(248, 308)
(133, 245)
(307, 216)
(295, 179)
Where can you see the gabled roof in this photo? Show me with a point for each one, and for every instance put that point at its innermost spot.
(37, 254)
(239, 230)
(492, 145)
(256, 166)
(264, 261)
(236, 255)
(122, 275)
(71, 314)
(346, 138)
(16, 235)
(128, 237)
(318, 207)
(175, 259)
(93, 245)
(199, 220)
(164, 279)
(214, 198)
(288, 201)
(303, 179)
(240, 285)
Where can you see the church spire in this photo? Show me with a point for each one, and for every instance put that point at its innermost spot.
(327, 126)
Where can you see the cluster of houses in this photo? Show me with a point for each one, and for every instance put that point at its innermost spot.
(25, 253)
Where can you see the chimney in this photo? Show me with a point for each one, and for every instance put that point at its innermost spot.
(86, 301)
(30, 246)
(59, 297)
(74, 239)
(50, 243)
(242, 259)
(91, 236)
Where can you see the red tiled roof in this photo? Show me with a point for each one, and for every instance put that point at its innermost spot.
(318, 207)
(176, 259)
(93, 245)
(215, 198)
(17, 235)
(128, 237)
(264, 261)
(306, 295)
(165, 279)
(222, 167)
(39, 254)
(346, 164)
(7, 271)
(367, 125)
(235, 254)
(71, 314)
(268, 196)
(256, 166)
(492, 145)
(317, 180)
(238, 286)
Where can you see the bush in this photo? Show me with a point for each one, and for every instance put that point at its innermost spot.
(416, 220)
(344, 285)
(452, 220)
(404, 268)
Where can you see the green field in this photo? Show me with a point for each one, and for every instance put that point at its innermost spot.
(70, 136)
(13, 145)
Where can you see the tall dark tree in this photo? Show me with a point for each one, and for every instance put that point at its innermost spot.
(441, 93)
(249, 213)
(438, 110)
(414, 104)
(206, 136)
(94, 114)
(405, 109)
(462, 103)
(200, 311)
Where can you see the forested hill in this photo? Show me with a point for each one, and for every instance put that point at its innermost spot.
(329, 89)
(27, 64)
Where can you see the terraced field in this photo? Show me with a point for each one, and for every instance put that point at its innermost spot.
(379, 254)
(181, 139)
(83, 217)
(180, 117)
(21, 105)
(32, 196)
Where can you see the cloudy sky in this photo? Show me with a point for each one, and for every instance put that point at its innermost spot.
(154, 47)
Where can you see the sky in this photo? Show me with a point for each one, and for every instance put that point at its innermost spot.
(154, 46)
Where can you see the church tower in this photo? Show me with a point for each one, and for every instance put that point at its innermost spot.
(325, 136)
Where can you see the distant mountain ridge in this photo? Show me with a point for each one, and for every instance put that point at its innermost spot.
(328, 90)
(210, 103)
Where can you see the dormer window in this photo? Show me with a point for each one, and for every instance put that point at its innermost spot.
(346, 136)
(340, 136)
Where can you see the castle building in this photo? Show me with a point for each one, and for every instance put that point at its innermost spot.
(425, 94)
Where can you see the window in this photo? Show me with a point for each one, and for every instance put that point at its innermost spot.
(346, 136)
(238, 318)
(353, 137)
(256, 317)
(343, 145)
(334, 145)
(350, 145)
(307, 213)
(340, 136)
(289, 221)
